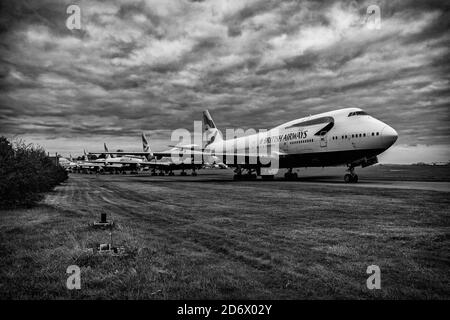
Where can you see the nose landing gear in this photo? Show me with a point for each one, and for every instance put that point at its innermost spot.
(351, 177)
(289, 175)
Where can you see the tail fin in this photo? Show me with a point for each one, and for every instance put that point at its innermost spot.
(211, 133)
(145, 145)
(107, 155)
(85, 155)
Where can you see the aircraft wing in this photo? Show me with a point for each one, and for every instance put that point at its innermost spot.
(152, 163)
(138, 153)
(118, 163)
(187, 147)
(203, 154)
(223, 156)
(91, 164)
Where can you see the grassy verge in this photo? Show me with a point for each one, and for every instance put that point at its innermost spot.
(226, 240)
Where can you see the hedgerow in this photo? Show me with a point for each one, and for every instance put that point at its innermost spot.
(26, 172)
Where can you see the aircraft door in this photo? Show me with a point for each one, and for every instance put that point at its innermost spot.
(323, 139)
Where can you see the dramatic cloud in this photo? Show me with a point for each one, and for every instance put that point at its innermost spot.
(155, 65)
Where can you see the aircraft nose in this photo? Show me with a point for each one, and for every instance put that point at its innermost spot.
(389, 134)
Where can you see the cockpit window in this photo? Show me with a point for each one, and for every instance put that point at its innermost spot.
(357, 113)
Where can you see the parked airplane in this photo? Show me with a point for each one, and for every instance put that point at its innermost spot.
(146, 159)
(67, 164)
(89, 166)
(111, 163)
(343, 137)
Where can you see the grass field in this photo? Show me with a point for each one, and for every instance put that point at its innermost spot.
(213, 238)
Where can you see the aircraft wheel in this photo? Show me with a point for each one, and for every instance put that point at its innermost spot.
(355, 178)
(291, 176)
(194, 174)
(183, 173)
(267, 177)
(348, 178)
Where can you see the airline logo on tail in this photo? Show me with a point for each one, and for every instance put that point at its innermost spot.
(145, 145)
(208, 121)
(212, 133)
(106, 150)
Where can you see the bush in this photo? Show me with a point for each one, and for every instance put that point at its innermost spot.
(25, 173)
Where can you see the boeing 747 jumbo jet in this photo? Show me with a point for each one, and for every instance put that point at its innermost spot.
(343, 137)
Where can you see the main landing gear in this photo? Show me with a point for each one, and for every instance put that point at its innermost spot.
(247, 176)
(289, 175)
(351, 177)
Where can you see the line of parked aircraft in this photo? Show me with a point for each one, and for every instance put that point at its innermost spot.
(121, 162)
(347, 136)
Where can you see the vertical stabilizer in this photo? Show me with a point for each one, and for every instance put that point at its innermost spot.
(210, 132)
(146, 147)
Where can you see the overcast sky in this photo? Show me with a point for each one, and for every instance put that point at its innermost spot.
(153, 66)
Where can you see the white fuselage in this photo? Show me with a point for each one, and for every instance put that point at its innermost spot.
(331, 138)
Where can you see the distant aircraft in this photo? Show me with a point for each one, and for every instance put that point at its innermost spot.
(146, 159)
(67, 163)
(89, 166)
